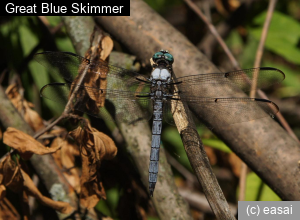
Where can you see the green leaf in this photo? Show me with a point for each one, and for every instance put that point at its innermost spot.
(171, 135)
(217, 144)
(283, 35)
(291, 82)
(252, 189)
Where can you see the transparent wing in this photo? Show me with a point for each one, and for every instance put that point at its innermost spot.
(121, 104)
(70, 66)
(208, 85)
(168, 111)
(222, 112)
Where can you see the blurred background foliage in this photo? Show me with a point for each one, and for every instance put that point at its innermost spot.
(21, 37)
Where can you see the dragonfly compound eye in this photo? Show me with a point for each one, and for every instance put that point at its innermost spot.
(157, 55)
(163, 55)
(169, 57)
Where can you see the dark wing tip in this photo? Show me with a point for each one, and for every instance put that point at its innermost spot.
(45, 52)
(274, 69)
(58, 52)
(274, 108)
(47, 85)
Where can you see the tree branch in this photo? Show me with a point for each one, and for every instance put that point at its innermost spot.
(199, 161)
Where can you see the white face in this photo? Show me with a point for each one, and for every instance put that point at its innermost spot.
(160, 74)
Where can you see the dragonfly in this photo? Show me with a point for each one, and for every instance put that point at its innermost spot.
(96, 87)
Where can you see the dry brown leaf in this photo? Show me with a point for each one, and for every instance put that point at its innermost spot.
(31, 189)
(107, 45)
(95, 141)
(211, 155)
(95, 146)
(8, 211)
(18, 180)
(24, 107)
(1, 134)
(107, 218)
(92, 189)
(25, 205)
(33, 118)
(65, 159)
(25, 144)
(235, 163)
(11, 175)
(100, 47)
(2, 192)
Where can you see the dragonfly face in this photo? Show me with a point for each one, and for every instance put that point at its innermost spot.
(162, 66)
(163, 56)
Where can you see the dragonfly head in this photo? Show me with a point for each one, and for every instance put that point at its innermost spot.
(163, 57)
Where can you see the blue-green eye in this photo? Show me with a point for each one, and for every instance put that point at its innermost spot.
(157, 55)
(169, 57)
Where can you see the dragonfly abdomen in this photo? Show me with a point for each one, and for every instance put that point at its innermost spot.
(156, 137)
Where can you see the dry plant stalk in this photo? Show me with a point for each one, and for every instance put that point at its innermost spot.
(199, 161)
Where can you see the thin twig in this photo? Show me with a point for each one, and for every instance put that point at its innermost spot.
(259, 53)
(261, 45)
(181, 169)
(214, 32)
(198, 201)
(44, 130)
(52, 30)
(243, 181)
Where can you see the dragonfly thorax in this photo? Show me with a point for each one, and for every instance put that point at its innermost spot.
(160, 74)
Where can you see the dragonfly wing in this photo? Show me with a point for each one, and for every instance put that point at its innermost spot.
(168, 111)
(71, 66)
(96, 102)
(218, 84)
(223, 112)
(64, 64)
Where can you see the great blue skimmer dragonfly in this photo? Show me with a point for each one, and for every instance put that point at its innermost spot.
(90, 83)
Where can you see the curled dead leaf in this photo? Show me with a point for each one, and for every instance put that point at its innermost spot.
(8, 211)
(11, 176)
(65, 159)
(32, 190)
(107, 45)
(95, 142)
(2, 192)
(92, 189)
(18, 180)
(25, 144)
(101, 47)
(24, 107)
(95, 146)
